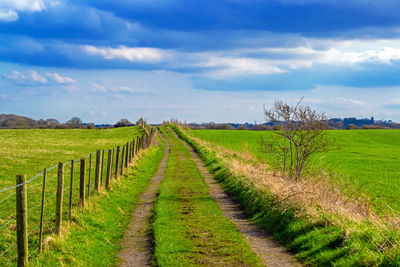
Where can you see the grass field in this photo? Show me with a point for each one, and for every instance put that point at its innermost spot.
(28, 152)
(367, 158)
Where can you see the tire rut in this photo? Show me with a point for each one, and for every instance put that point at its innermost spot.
(261, 242)
(136, 243)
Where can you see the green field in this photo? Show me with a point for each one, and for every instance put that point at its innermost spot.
(28, 152)
(369, 159)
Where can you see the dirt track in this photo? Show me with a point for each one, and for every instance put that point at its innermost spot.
(136, 244)
(270, 251)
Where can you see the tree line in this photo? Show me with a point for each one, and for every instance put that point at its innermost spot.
(13, 121)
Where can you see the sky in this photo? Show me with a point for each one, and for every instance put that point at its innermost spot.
(198, 61)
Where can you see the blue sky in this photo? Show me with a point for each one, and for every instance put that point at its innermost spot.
(201, 61)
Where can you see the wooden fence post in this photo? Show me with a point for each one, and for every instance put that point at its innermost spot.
(59, 197)
(133, 148)
(122, 161)
(102, 168)
(42, 211)
(97, 173)
(109, 166)
(117, 163)
(137, 145)
(82, 184)
(130, 153)
(126, 155)
(70, 190)
(90, 172)
(22, 221)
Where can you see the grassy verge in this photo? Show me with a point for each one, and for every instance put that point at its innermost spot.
(317, 241)
(93, 238)
(189, 228)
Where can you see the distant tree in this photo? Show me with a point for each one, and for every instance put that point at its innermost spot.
(261, 127)
(74, 122)
(143, 122)
(52, 122)
(242, 127)
(122, 123)
(42, 123)
(300, 135)
(352, 126)
(224, 126)
(90, 126)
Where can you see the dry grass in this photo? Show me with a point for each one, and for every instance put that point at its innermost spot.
(317, 195)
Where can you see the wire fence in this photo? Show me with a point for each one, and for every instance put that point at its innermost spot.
(59, 191)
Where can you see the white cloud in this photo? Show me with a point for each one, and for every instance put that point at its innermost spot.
(119, 89)
(32, 78)
(240, 66)
(262, 60)
(57, 78)
(24, 5)
(99, 88)
(349, 101)
(133, 54)
(8, 15)
(9, 8)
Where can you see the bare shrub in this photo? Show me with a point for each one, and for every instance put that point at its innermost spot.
(299, 134)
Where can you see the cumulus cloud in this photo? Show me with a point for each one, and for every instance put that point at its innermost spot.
(57, 78)
(133, 54)
(32, 78)
(8, 15)
(9, 8)
(27, 5)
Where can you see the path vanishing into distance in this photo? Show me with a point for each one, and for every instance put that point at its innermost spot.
(185, 218)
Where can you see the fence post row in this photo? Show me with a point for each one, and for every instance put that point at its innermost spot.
(42, 210)
(82, 183)
(59, 197)
(117, 163)
(122, 161)
(22, 221)
(70, 190)
(97, 172)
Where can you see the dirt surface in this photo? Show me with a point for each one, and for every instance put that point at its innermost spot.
(136, 244)
(270, 251)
